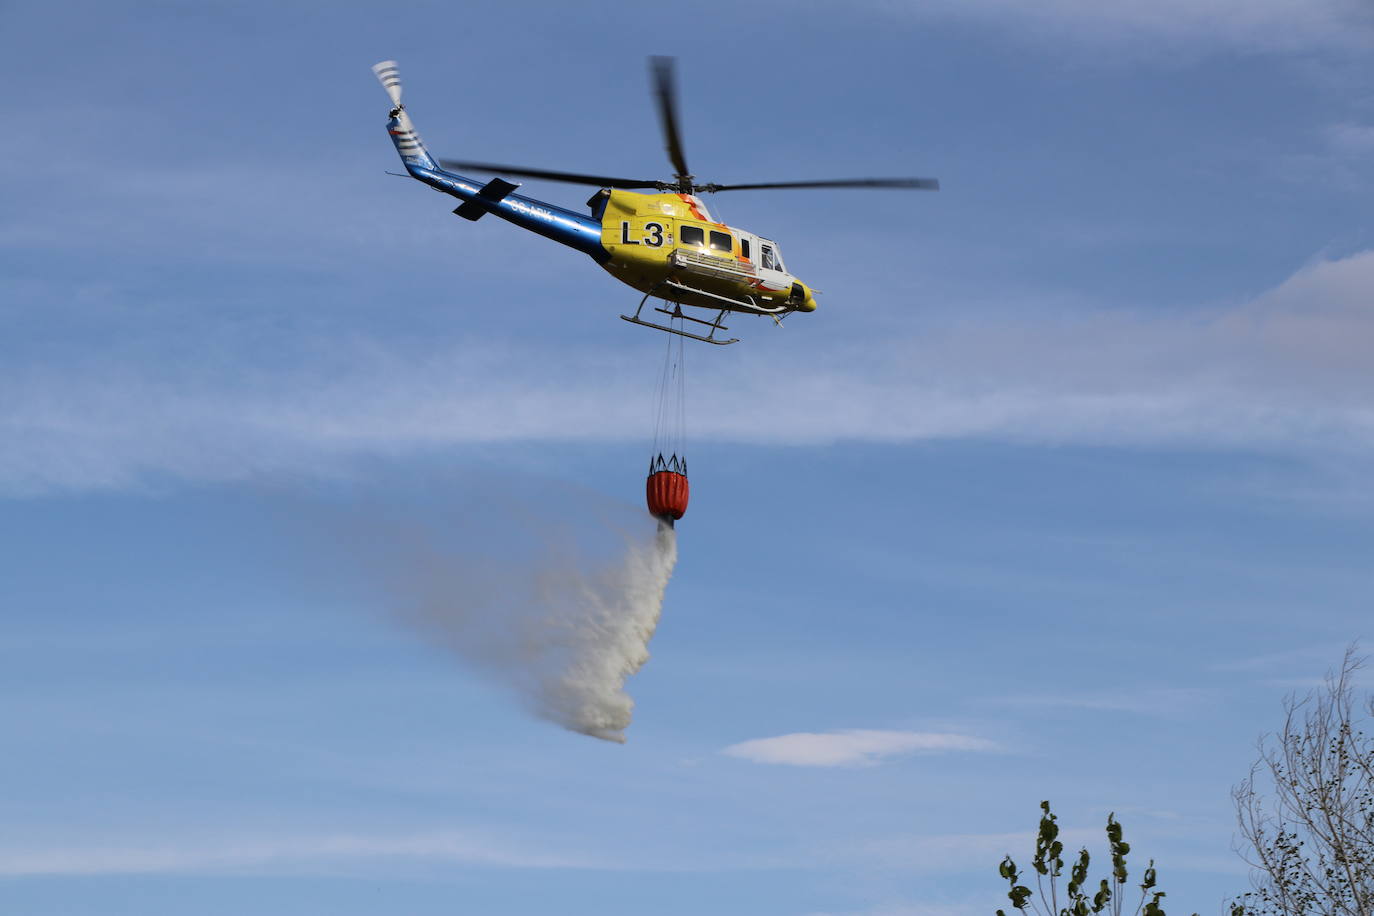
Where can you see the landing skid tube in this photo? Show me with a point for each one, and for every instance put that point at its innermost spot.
(677, 312)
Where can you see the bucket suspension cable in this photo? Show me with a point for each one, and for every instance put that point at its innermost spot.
(666, 489)
(670, 420)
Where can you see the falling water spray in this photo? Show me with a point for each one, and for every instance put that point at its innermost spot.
(605, 621)
(549, 590)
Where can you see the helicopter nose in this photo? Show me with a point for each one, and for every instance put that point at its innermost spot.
(804, 300)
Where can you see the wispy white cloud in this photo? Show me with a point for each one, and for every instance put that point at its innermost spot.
(1351, 139)
(1302, 685)
(382, 852)
(1166, 701)
(953, 852)
(1301, 669)
(450, 848)
(1287, 372)
(914, 908)
(1308, 658)
(855, 747)
(1260, 24)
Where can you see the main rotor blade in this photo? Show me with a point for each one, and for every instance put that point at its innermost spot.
(665, 93)
(917, 184)
(601, 181)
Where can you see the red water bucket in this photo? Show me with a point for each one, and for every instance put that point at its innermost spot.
(666, 493)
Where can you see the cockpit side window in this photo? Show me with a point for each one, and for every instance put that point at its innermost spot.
(768, 258)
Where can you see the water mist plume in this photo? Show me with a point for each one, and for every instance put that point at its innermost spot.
(598, 627)
(558, 604)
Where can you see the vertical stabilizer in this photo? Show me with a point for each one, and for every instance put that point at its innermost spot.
(408, 143)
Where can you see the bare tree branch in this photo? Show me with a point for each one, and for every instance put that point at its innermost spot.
(1310, 840)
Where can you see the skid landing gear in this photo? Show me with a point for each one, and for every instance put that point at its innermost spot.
(676, 312)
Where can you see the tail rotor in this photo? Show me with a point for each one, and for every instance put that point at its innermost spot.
(402, 131)
(389, 75)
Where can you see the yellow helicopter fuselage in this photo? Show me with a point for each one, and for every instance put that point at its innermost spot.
(667, 245)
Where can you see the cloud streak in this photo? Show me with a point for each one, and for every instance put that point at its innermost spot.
(1169, 702)
(1260, 24)
(1287, 372)
(443, 847)
(851, 748)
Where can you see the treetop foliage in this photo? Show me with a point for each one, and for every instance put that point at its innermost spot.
(1048, 864)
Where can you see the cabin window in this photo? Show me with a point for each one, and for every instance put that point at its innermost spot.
(744, 248)
(721, 241)
(693, 235)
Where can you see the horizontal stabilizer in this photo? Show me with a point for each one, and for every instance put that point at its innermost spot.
(488, 197)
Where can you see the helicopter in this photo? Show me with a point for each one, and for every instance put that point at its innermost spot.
(655, 236)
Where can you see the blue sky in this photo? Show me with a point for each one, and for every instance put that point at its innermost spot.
(1057, 495)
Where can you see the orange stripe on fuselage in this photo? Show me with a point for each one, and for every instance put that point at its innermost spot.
(691, 203)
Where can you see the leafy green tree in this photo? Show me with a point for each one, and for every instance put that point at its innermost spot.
(1108, 899)
(1306, 811)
